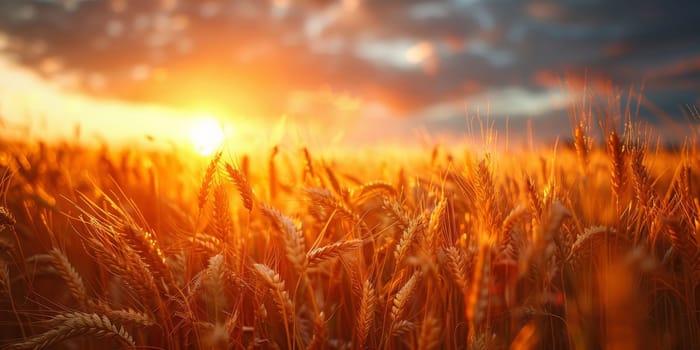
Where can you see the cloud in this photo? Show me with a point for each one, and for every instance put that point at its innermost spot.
(410, 56)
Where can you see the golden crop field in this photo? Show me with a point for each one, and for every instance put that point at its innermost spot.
(583, 246)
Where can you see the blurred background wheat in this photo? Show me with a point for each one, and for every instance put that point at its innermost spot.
(584, 245)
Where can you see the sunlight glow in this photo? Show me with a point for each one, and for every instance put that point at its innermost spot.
(207, 135)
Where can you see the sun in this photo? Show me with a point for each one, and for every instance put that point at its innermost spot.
(207, 135)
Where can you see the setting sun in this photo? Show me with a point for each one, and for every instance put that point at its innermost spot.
(207, 135)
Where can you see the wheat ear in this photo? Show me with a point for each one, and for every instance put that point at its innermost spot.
(589, 240)
(75, 324)
(123, 316)
(643, 188)
(6, 217)
(403, 327)
(308, 164)
(429, 334)
(400, 300)
(407, 238)
(365, 316)
(318, 255)
(396, 212)
(292, 236)
(324, 199)
(485, 190)
(457, 264)
(242, 185)
(274, 282)
(146, 245)
(508, 246)
(434, 235)
(4, 278)
(582, 143)
(684, 242)
(68, 273)
(205, 188)
(617, 151)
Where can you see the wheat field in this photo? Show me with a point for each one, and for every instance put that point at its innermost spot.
(590, 244)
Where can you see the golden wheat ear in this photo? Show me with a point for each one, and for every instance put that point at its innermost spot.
(319, 255)
(75, 324)
(242, 185)
(365, 315)
(277, 286)
(6, 217)
(400, 301)
(430, 332)
(618, 179)
(69, 275)
(207, 181)
(293, 237)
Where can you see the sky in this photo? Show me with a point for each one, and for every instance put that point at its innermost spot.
(364, 69)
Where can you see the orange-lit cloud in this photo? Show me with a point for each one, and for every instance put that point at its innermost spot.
(252, 57)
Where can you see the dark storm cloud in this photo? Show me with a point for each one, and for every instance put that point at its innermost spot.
(236, 50)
